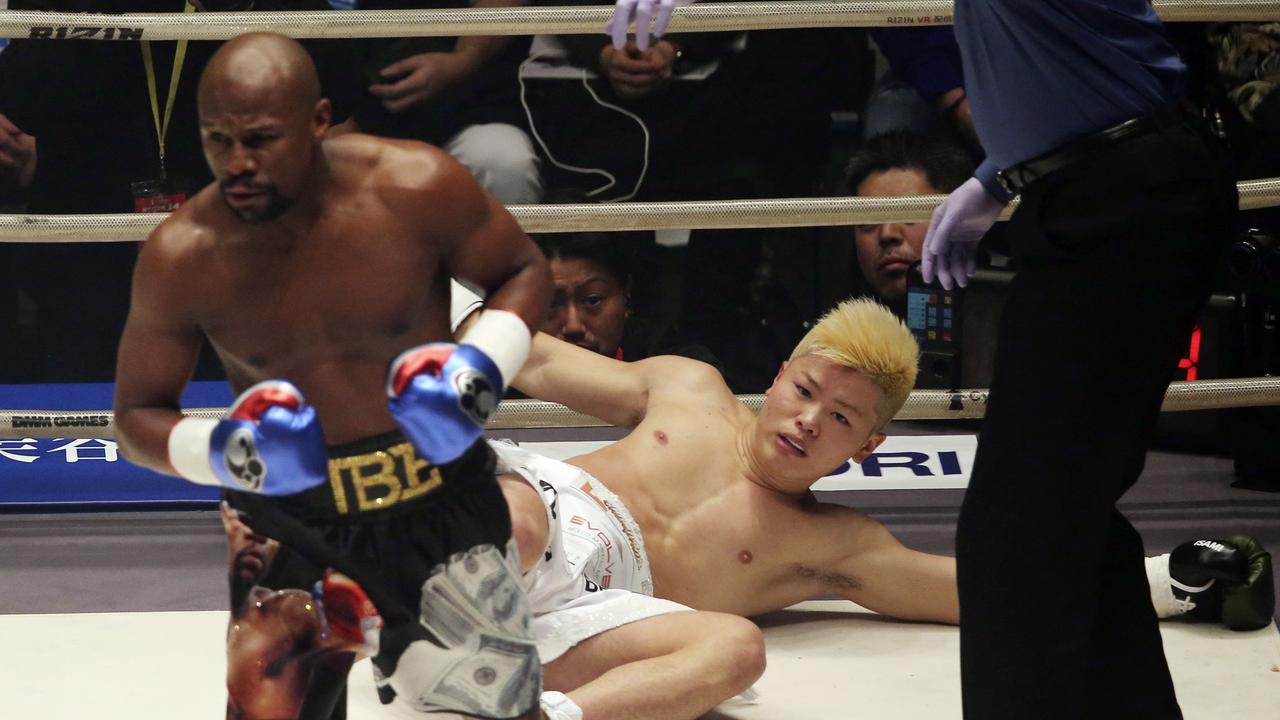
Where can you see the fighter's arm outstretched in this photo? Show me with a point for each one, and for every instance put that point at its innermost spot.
(868, 565)
(157, 355)
(620, 393)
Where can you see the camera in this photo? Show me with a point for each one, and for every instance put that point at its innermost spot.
(1254, 258)
(933, 315)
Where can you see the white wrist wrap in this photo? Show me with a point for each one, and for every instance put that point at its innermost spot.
(189, 442)
(504, 337)
(558, 706)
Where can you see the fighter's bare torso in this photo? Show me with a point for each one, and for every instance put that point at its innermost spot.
(717, 540)
(327, 300)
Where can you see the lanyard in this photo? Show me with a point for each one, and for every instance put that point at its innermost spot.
(162, 127)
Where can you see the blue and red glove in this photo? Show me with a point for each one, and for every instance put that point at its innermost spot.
(270, 444)
(442, 394)
(347, 612)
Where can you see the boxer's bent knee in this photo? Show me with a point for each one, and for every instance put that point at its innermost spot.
(736, 648)
(740, 645)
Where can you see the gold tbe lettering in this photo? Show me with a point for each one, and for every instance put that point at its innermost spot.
(337, 468)
(415, 485)
(377, 470)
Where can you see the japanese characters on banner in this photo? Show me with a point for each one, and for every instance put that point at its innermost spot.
(37, 472)
(30, 450)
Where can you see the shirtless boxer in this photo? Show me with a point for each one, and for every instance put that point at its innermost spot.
(318, 270)
(714, 503)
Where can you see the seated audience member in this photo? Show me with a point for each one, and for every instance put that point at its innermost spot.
(923, 87)
(456, 93)
(891, 165)
(594, 275)
(713, 106)
(1247, 59)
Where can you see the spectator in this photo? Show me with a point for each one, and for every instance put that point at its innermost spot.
(1248, 63)
(898, 163)
(712, 106)
(456, 93)
(923, 87)
(592, 306)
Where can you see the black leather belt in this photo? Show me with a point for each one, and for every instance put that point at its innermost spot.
(1014, 178)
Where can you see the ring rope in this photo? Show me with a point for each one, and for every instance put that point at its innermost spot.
(530, 414)
(538, 20)
(694, 215)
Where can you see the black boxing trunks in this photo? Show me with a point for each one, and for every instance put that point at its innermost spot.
(430, 545)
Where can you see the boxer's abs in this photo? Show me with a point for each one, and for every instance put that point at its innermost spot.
(708, 541)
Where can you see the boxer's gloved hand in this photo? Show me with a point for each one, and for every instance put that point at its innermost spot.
(950, 248)
(1211, 580)
(270, 443)
(442, 394)
(1249, 605)
(624, 11)
(347, 611)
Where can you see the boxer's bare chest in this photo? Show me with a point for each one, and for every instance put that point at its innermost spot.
(327, 310)
(715, 540)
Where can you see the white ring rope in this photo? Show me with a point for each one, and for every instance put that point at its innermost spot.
(538, 20)
(692, 215)
(528, 414)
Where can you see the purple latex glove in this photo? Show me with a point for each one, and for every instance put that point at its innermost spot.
(624, 11)
(951, 245)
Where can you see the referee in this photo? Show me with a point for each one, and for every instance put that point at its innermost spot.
(1126, 207)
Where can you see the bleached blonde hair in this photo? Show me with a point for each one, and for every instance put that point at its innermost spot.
(864, 335)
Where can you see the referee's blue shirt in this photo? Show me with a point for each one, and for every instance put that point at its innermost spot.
(1040, 73)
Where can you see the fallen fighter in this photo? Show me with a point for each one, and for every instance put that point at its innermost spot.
(705, 506)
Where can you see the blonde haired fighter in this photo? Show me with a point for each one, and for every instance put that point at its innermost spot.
(707, 506)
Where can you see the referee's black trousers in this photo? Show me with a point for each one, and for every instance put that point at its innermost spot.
(1116, 253)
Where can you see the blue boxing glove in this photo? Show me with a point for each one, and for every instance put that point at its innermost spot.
(270, 444)
(951, 245)
(442, 394)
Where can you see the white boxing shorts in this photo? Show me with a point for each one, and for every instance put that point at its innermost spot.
(594, 574)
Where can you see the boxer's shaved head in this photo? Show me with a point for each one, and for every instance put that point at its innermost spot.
(261, 123)
(261, 67)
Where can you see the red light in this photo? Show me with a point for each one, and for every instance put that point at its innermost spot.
(1188, 363)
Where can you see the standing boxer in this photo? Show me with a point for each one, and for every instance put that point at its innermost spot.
(318, 270)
